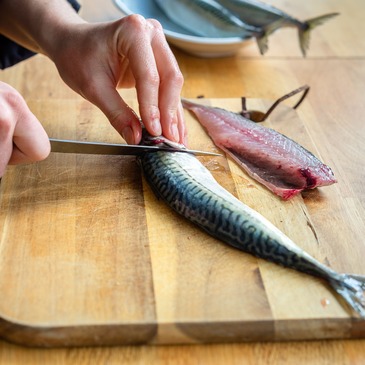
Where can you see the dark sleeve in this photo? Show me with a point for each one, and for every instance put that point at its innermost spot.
(12, 53)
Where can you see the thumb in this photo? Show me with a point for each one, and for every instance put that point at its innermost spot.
(30, 140)
(22, 137)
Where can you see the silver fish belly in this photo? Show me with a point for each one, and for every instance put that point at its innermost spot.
(258, 13)
(190, 189)
(207, 18)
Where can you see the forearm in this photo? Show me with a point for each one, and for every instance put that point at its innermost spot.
(39, 25)
(95, 59)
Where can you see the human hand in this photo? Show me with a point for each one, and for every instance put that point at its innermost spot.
(22, 137)
(96, 59)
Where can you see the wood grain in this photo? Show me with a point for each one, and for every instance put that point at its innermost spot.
(73, 230)
(101, 261)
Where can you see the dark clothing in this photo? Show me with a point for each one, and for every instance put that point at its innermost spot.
(12, 53)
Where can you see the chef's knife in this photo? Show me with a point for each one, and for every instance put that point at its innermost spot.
(98, 148)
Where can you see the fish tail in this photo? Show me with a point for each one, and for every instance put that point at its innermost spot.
(262, 37)
(351, 288)
(307, 26)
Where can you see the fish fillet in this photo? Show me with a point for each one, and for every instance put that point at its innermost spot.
(274, 160)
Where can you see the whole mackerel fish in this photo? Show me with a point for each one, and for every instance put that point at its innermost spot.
(190, 189)
(207, 18)
(259, 14)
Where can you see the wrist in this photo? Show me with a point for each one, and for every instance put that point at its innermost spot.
(56, 27)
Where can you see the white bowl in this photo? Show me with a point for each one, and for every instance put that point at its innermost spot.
(180, 37)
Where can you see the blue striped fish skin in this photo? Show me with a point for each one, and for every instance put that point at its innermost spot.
(190, 189)
(207, 18)
(260, 14)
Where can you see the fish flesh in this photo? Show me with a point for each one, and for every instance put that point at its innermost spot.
(190, 189)
(207, 18)
(274, 160)
(259, 14)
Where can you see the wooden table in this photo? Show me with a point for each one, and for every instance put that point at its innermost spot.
(333, 113)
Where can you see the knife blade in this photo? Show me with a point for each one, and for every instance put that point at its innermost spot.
(99, 148)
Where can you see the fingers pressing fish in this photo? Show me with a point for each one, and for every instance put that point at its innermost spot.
(274, 160)
(190, 189)
(237, 18)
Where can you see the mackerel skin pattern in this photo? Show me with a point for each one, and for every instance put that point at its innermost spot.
(258, 13)
(190, 189)
(206, 18)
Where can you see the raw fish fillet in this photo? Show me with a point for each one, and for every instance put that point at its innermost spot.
(276, 161)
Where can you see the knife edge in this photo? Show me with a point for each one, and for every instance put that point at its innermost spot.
(100, 148)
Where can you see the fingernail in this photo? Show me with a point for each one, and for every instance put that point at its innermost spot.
(156, 127)
(175, 132)
(128, 135)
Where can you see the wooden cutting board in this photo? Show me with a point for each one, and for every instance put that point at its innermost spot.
(89, 256)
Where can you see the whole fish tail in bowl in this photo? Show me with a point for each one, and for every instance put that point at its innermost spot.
(262, 38)
(352, 289)
(306, 27)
